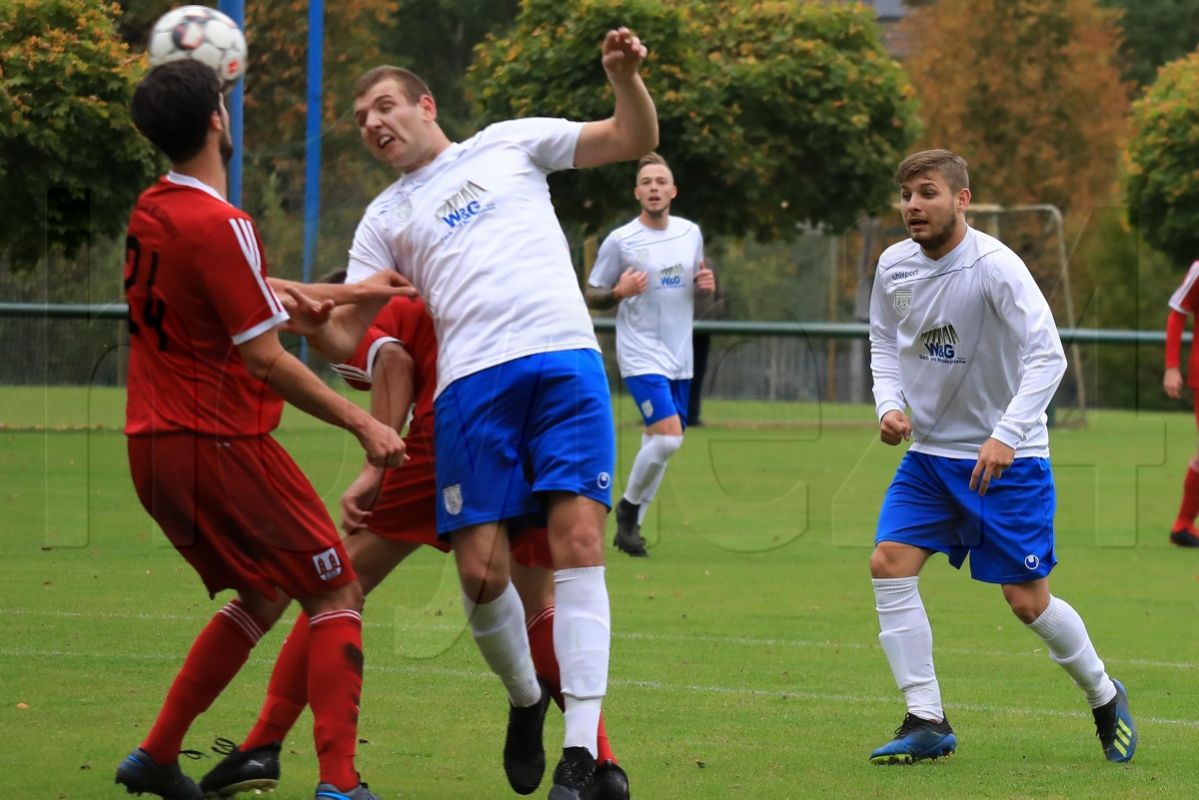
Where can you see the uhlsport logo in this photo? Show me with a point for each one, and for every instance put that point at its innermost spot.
(328, 564)
(464, 205)
(940, 344)
(671, 277)
(1031, 561)
(603, 480)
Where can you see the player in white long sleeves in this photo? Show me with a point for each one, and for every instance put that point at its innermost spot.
(961, 335)
(652, 266)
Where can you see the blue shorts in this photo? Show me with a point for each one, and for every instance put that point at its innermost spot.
(542, 423)
(1008, 533)
(658, 398)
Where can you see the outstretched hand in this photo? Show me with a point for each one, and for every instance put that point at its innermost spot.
(306, 314)
(623, 53)
(359, 498)
(385, 283)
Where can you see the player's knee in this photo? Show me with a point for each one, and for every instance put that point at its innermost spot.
(480, 584)
(577, 545)
(1026, 605)
(666, 446)
(884, 564)
(347, 597)
(1194, 465)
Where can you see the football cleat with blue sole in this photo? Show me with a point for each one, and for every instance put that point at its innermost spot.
(327, 791)
(915, 740)
(140, 774)
(1115, 728)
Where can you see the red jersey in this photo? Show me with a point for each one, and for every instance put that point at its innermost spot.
(407, 321)
(195, 281)
(1185, 300)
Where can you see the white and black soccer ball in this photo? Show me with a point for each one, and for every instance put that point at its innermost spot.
(203, 34)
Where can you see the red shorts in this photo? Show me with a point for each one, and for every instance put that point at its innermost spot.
(241, 512)
(531, 548)
(406, 510)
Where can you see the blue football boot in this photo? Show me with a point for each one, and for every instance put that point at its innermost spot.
(1115, 728)
(915, 740)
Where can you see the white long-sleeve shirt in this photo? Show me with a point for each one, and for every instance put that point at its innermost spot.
(968, 343)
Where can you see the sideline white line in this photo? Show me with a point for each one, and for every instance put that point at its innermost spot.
(657, 686)
(741, 641)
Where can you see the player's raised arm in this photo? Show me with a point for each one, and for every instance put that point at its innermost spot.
(632, 130)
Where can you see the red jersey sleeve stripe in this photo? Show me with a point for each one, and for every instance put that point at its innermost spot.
(1182, 300)
(243, 229)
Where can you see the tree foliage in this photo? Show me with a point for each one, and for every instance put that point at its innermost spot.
(1155, 33)
(1162, 175)
(771, 113)
(1027, 91)
(72, 163)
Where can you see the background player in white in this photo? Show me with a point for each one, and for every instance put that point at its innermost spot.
(524, 420)
(652, 266)
(960, 333)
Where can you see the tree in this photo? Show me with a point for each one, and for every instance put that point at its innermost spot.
(1027, 91)
(771, 113)
(1155, 32)
(72, 162)
(1162, 180)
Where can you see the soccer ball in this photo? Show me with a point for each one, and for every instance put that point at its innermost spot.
(203, 34)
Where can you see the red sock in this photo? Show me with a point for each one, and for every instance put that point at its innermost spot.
(334, 687)
(1190, 498)
(287, 693)
(215, 657)
(541, 643)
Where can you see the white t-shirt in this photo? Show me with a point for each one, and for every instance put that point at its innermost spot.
(653, 329)
(969, 342)
(476, 233)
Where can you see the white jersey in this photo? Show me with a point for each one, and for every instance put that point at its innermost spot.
(653, 329)
(969, 342)
(476, 233)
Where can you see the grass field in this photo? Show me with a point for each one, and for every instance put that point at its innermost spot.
(745, 660)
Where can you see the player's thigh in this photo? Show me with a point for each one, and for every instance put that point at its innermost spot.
(917, 510)
(1014, 524)
(656, 398)
(241, 512)
(374, 557)
(481, 432)
(571, 445)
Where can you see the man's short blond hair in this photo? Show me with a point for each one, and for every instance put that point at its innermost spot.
(649, 159)
(411, 84)
(951, 167)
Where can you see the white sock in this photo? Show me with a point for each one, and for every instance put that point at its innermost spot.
(582, 643)
(907, 640)
(501, 636)
(652, 492)
(1065, 635)
(649, 466)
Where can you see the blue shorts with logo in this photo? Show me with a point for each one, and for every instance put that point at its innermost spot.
(658, 397)
(541, 423)
(1008, 533)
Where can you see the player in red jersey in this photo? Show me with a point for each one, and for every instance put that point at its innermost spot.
(1182, 304)
(389, 514)
(207, 382)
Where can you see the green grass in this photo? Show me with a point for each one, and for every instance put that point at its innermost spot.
(745, 660)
